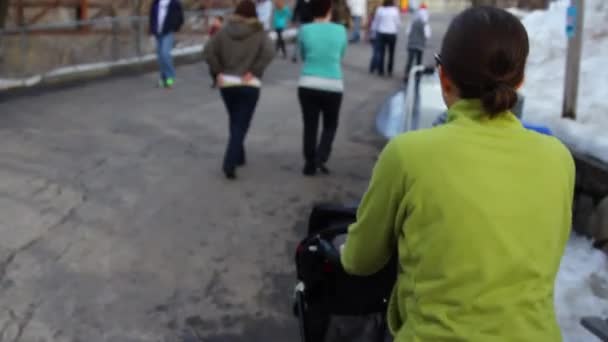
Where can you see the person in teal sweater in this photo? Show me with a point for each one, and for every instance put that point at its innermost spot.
(280, 19)
(478, 210)
(322, 47)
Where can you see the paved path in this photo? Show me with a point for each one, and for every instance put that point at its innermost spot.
(116, 223)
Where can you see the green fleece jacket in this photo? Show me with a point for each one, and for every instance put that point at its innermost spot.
(479, 212)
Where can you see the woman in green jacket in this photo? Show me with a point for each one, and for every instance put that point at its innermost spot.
(478, 210)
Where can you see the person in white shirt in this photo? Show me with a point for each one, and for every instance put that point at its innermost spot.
(358, 9)
(386, 25)
(264, 9)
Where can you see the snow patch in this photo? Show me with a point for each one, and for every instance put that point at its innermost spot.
(582, 271)
(546, 71)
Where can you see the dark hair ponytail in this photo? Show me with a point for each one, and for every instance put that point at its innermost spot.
(498, 98)
(484, 53)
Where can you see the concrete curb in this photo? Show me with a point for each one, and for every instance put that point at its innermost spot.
(80, 74)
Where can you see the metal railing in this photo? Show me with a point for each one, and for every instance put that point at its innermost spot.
(38, 49)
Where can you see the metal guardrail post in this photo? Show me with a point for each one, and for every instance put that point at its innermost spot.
(410, 119)
(139, 34)
(115, 41)
(1, 47)
(23, 45)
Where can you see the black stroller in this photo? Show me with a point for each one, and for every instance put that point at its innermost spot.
(331, 305)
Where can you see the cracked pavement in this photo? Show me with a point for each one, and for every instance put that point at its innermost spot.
(116, 223)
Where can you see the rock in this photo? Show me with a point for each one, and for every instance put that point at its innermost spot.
(583, 210)
(599, 285)
(598, 224)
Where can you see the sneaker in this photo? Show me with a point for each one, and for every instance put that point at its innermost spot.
(160, 84)
(170, 82)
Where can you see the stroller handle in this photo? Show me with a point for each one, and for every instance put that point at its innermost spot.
(329, 252)
(327, 249)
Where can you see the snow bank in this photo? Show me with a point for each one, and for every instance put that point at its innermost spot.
(583, 273)
(546, 70)
(582, 283)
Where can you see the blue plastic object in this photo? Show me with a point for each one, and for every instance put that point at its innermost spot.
(538, 128)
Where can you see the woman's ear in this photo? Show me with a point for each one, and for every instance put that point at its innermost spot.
(449, 91)
(521, 84)
(446, 83)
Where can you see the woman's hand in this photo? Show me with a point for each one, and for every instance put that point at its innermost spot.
(247, 78)
(219, 80)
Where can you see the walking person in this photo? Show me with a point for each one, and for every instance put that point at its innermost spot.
(281, 18)
(264, 11)
(323, 44)
(386, 25)
(358, 9)
(166, 18)
(238, 54)
(478, 211)
(340, 14)
(215, 27)
(419, 32)
(302, 15)
(372, 36)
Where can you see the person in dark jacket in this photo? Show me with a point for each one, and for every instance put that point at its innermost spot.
(166, 18)
(302, 15)
(238, 54)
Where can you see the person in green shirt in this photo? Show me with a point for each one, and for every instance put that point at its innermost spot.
(280, 19)
(477, 210)
(322, 46)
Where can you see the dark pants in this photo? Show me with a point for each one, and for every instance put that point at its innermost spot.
(240, 103)
(413, 56)
(387, 42)
(281, 42)
(213, 78)
(315, 103)
(374, 64)
(356, 34)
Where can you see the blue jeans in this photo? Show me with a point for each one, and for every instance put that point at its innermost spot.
(240, 103)
(374, 64)
(356, 35)
(164, 45)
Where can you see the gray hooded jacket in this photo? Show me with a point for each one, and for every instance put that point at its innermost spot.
(241, 46)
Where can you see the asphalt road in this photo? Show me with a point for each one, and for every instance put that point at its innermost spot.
(116, 223)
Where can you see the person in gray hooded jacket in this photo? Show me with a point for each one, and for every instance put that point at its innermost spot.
(238, 56)
(419, 32)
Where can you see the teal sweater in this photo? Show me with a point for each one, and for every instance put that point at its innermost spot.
(322, 46)
(281, 18)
